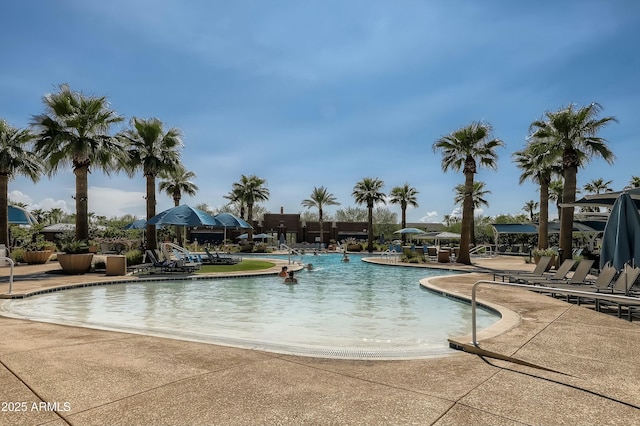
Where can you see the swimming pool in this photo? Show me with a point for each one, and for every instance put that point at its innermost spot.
(348, 310)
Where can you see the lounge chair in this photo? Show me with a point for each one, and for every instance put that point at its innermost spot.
(559, 275)
(186, 261)
(541, 267)
(622, 286)
(216, 259)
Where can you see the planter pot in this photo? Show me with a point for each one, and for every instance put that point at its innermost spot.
(75, 263)
(36, 257)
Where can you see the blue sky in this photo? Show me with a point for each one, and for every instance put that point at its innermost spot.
(324, 93)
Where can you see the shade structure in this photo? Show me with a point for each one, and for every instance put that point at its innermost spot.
(138, 224)
(605, 199)
(621, 239)
(19, 216)
(184, 215)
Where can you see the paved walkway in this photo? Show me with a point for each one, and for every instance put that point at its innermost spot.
(58, 375)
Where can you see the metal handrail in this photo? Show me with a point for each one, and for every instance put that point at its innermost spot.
(12, 263)
(590, 294)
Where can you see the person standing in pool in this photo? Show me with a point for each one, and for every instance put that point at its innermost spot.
(291, 279)
(283, 272)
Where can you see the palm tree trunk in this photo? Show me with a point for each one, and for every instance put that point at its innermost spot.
(178, 229)
(4, 209)
(566, 221)
(370, 228)
(82, 205)
(250, 219)
(321, 230)
(152, 242)
(404, 223)
(467, 218)
(543, 223)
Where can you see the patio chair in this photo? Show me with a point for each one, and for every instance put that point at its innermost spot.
(622, 286)
(216, 259)
(164, 265)
(559, 275)
(541, 267)
(185, 261)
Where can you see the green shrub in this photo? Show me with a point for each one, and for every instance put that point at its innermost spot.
(246, 248)
(16, 255)
(134, 257)
(412, 258)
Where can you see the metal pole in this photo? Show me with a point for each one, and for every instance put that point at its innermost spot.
(11, 274)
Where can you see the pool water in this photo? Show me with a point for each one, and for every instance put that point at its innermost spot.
(340, 308)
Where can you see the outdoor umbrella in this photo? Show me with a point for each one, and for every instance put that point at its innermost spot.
(184, 215)
(20, 216)
(138, 224)
(262, 236)
(410, 231)
(621, 238)
(228, 220)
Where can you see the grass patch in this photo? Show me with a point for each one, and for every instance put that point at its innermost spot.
(245, 265)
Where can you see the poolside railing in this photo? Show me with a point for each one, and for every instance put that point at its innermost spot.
(11, 263)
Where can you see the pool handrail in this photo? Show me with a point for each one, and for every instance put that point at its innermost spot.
(11, 263)
(589, 294)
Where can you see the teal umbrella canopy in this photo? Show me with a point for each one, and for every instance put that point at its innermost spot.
(621, 239)
(20, 216)
(229, 220)
(138, 224)
(184, 215)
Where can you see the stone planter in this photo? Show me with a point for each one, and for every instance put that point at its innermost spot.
(75, 264)
(37, 257)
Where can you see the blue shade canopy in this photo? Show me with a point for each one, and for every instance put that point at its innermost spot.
(20, 216)
(621, 239)
(138, 224)
(228, 220)
(184, 215)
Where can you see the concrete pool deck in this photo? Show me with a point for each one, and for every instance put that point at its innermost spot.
(57, 375)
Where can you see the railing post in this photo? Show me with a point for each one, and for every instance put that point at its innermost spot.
(11, 262)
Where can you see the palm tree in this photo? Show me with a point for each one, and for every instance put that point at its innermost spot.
(530, 207)
(556, 190)
(174, 183)
(369, 191)
(462, 150)
(177, 182)
(596, 186)
(74, 130)
(478, 201)
(573, 133)
(404, 195)
(15, 159)
(634, 182)
(319, 198)
(539, 163)
(156, 153)
(235, 197)
(55, 215)
(251, 190)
